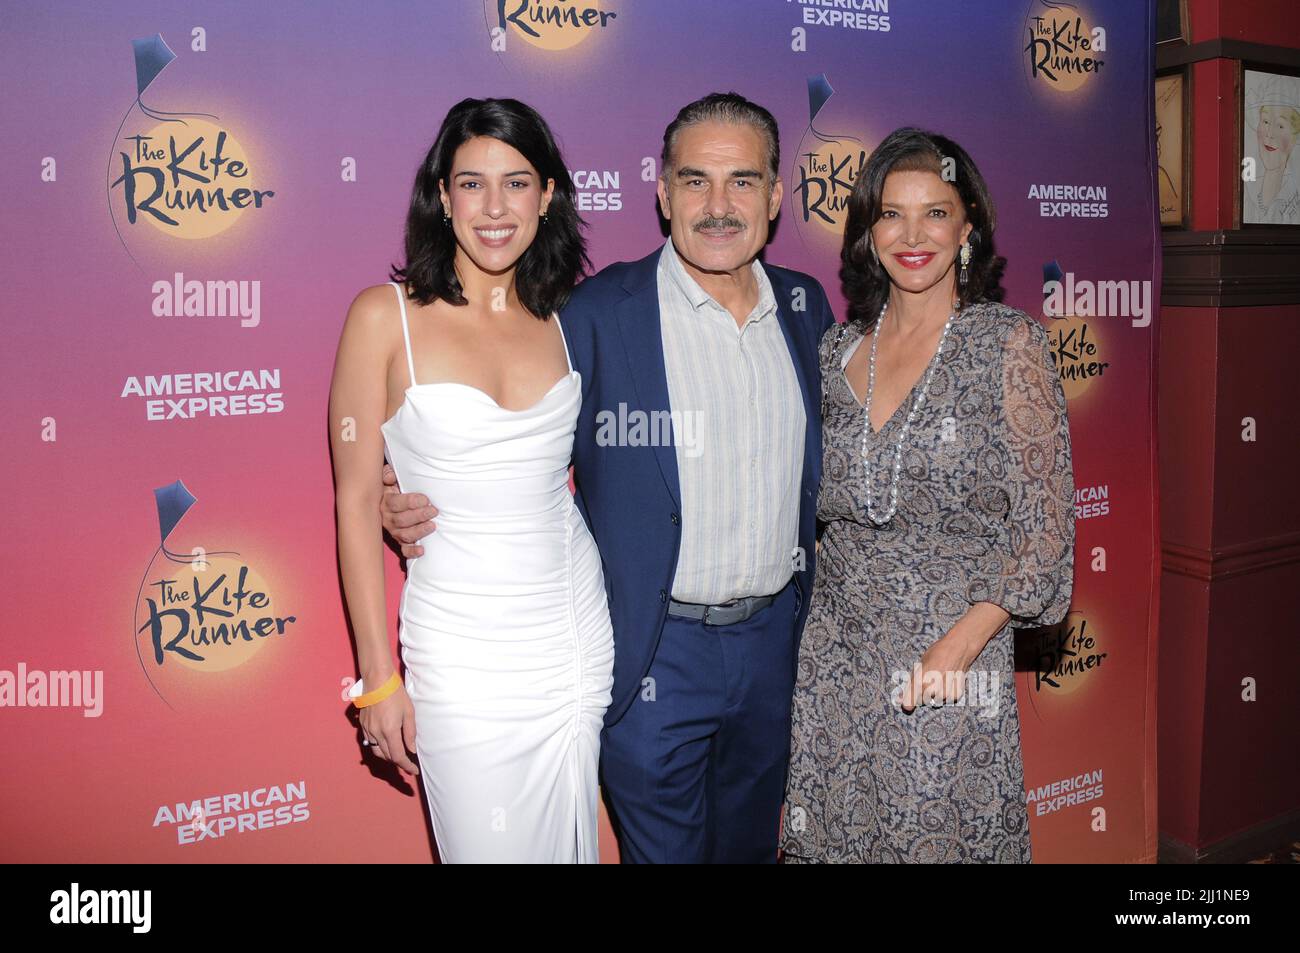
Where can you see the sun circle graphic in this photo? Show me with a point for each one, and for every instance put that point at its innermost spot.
(199, 612)
(1077, 353)
(825, 169)
(1067, 654)
(1045, 27)
(551, 20)
(202, 199)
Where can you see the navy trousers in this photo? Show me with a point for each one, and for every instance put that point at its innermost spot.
(695, 771)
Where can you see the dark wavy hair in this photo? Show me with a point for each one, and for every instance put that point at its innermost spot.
(549, 268)
(864, 280)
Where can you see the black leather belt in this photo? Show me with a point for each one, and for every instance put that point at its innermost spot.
(728, 613)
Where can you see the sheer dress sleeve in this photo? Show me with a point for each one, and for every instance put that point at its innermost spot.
(1031, 574)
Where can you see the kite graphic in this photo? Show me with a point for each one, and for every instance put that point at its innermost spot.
(152, 54)
(1052, 272)
(173, 501)
(815, 190)
(819, 92)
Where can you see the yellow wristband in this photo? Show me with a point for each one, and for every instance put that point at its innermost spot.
(378, 695)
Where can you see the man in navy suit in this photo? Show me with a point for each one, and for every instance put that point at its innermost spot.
(697, 459)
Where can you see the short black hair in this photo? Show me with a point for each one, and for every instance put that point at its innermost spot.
(864, 280)
(549, 268)
(725, 107)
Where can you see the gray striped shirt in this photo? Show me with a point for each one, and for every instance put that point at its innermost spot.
(741, 473)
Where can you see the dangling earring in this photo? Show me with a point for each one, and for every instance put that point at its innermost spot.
(446, 219)
(872, 246)
(544, 218)
(965, 260)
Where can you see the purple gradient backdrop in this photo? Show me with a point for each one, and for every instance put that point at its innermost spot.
(302, 85)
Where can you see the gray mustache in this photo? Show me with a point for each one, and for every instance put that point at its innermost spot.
(727, 222)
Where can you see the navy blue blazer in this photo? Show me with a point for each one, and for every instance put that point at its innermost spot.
(630, 496)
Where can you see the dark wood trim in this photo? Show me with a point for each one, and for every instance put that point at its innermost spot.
(1225, 48)
(1184, 26)
(1238, 125)
(1228, 561)
(1231, 269)
(1243, 847)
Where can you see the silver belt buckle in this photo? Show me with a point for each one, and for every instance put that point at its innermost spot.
(731, 606)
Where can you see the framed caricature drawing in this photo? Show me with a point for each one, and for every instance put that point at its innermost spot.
(1270, 129)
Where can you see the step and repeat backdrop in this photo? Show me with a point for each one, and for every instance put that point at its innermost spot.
(194, 193)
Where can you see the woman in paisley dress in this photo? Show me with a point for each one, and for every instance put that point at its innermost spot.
(947, 493)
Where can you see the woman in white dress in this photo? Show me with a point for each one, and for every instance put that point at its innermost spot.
(458, 372)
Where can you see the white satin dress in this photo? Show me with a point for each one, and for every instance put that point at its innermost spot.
(505, 631)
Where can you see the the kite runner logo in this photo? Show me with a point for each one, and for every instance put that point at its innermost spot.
(1059, 659)
(184, 174)
(547, 24)
(1074, 308)
(824, 170)
(200, 612)
(1062, 48)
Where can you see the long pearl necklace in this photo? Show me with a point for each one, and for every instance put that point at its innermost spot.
(876, 517)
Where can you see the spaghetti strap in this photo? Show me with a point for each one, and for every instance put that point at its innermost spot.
(406, 333)
(567, 359)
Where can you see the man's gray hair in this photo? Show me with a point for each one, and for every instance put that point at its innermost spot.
(726, 107)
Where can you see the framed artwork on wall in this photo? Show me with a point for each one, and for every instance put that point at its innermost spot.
(1171, 21)
(1173, 145)
(1269, 121)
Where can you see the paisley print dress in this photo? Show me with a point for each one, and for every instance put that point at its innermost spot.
(985, 514)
